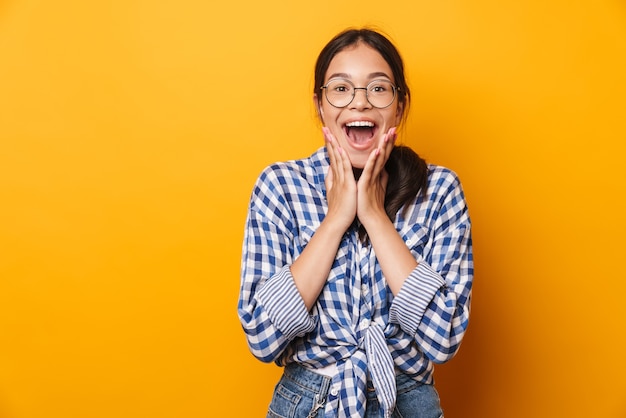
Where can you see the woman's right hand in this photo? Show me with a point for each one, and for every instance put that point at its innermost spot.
(311, 268)
(341, 188)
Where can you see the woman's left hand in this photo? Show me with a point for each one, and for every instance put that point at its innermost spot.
(372, 184)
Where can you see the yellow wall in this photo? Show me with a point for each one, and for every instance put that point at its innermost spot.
(131, 132)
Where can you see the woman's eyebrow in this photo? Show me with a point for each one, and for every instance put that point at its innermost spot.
(339, 75)
(379, 74)
(348, 76)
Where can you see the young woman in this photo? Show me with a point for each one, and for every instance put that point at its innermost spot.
(357, 261)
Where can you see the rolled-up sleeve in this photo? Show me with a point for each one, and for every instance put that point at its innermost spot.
(433, 305)
(270, 308)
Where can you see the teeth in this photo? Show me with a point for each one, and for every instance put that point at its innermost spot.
(360, 123)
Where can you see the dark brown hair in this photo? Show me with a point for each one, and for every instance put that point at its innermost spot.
(408, 173)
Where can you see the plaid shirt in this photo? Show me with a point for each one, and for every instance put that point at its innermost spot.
(356, 322)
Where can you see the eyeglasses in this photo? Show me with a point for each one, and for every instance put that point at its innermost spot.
(340, 92)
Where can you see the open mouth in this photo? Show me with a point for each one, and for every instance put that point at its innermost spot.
(360, 132)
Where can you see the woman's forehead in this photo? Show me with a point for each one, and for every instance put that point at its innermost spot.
(358, 61)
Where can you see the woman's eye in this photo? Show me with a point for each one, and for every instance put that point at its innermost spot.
(339, 87)
(379, 88)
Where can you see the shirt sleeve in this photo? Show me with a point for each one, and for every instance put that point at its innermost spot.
(270, 308)
(433, 305)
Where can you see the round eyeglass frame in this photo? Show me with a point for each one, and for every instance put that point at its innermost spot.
(354, 89)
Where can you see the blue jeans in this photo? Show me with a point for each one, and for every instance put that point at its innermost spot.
(301, 393)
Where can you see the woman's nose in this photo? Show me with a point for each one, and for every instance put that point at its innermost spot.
(360, 100)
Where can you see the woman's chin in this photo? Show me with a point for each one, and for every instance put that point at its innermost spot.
(358, 160)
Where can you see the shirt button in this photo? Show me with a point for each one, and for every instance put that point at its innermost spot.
(334, 391)
(366, 323)
(409, 241)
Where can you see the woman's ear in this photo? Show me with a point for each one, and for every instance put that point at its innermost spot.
(318, 107)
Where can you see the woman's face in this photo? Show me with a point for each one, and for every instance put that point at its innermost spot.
(358, 127)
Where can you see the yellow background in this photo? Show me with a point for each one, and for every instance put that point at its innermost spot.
(131, 132)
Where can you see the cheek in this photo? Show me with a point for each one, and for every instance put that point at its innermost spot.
(328, 114)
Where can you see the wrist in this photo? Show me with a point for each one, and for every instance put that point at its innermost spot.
(374, 220)
(335, 225)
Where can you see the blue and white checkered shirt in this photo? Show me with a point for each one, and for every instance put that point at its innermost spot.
(356, 322)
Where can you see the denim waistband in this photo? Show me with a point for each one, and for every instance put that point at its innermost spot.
(320, 384)
(308, 379)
